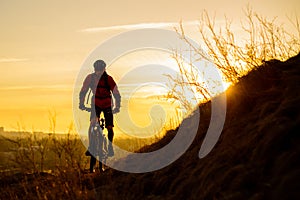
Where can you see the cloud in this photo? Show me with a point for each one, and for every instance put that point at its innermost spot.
(37, 87)
(136, 26)
(9, 60)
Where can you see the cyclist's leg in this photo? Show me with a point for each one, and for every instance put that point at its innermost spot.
(95, 114)
(109, 122)
(92, 163)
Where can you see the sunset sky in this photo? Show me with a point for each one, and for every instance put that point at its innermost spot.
(44, 44)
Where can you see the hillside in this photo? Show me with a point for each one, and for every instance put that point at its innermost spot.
(256, 157)
(258, 153)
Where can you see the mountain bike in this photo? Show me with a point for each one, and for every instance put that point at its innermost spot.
(97, 144)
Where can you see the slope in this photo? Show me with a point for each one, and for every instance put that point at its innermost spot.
(256, 157)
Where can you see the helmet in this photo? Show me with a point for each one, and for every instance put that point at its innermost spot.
(99, 65)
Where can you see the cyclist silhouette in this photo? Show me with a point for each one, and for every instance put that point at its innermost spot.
(103, 88)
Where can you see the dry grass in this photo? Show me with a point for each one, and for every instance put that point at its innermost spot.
(234, 55)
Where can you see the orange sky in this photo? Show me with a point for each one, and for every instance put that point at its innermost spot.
(44, 43)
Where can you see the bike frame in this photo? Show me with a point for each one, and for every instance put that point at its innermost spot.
(97, 143)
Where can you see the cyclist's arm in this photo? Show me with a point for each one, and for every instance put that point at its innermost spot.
(84, 89)
(115, 91)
